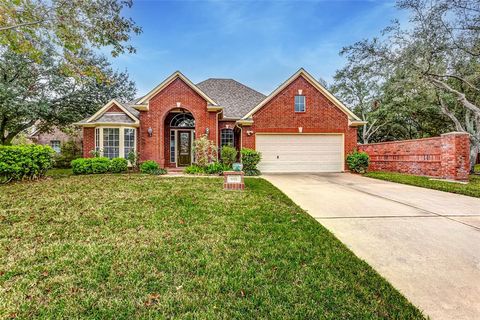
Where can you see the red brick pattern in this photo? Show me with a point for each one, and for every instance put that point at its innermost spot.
(446, 156)
(320, 116)
(114, 108)
(156, 147)
(88, 141)
(233, 186)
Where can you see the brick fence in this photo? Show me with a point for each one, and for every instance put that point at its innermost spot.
(447, 156)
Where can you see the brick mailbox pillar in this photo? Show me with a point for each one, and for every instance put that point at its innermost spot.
(233, 180)
(455, 156)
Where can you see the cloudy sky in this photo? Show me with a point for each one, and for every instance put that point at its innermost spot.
(259, 43)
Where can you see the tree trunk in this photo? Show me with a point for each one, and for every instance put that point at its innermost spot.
(474, 150)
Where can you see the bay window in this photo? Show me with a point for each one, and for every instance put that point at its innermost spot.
(115, 142)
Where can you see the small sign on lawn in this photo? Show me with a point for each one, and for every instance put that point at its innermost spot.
(233, 180)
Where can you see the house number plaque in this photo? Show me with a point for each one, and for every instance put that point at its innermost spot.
(233, 180)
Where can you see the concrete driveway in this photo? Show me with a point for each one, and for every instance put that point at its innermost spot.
(425, 242)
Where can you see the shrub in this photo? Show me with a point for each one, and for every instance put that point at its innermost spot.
(205, 151)
(159, 171)
(100, 165)
(229, 156)
(118, 165)
(24, 162)
(133, 158)
(358, 161)
(149, 166)
(81, 166)
(215, 168)
(70, 150)
(91, 165)
(250, 160)
(194, 169)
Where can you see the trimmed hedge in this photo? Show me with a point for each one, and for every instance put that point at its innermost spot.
(24, 162)
(358, 161)
(149, 166)
(250, 159)
(118, 165)
(99, 165)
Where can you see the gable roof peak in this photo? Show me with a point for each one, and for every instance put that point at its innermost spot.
(307, 76)
(177, 74)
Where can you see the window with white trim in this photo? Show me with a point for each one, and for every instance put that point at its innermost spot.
(111, 142)
(55, 144)
(115, 142)
(299, 103)
(227, 138)
(97, 139)
(128, 141)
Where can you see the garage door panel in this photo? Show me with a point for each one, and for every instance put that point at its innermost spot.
(300, 153)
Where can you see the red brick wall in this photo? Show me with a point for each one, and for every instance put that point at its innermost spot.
(88, 141)
(446, 156)
(114, 108)
(320, 116)
(154, 148)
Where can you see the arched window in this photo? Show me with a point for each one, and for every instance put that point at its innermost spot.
(227, 138)
(183, 120)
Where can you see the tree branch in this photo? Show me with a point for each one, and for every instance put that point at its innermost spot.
(455, 77)
(448, 113)
(460, 96)
(25, 24)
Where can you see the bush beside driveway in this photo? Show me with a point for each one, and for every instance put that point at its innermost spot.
(137, 246)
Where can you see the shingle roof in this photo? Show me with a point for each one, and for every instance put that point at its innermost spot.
(114, 118)
(236, 98)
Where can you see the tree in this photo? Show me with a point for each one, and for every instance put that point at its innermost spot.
(357, 87)
(44, 92)
(72, 27)
(440, 49)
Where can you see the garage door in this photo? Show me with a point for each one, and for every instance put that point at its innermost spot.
(300, 153)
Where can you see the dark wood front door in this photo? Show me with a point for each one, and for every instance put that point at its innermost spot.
(184, 147)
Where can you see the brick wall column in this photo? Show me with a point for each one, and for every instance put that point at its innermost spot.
(455, 156)
(88, 141)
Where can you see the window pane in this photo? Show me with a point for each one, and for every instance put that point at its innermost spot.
(227, 138)
(172, 146)
(55, 144)
(129, 141)
(97, 139)
(299, 103)
(111, 142)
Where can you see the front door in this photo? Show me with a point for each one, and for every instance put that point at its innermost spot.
(184, 148)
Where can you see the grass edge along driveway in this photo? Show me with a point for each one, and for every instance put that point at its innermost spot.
(471, 189)
(136, 246)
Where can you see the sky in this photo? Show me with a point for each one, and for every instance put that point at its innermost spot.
(259, 43)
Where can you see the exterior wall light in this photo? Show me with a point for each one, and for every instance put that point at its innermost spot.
(249, 132)
(207, 131)
(150, 131)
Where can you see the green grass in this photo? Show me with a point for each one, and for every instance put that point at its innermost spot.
(476, 168)
(137, 246)
(59, 173)
(471, 189)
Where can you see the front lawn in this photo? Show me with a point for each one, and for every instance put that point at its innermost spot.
(471, 189)
(137, 246)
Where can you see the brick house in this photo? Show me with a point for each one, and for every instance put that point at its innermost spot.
(55, 137)
(299, 127)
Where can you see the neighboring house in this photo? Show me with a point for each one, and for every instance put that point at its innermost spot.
(299, 127)
(54, 138)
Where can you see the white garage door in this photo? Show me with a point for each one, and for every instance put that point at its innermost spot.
(300, 152)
